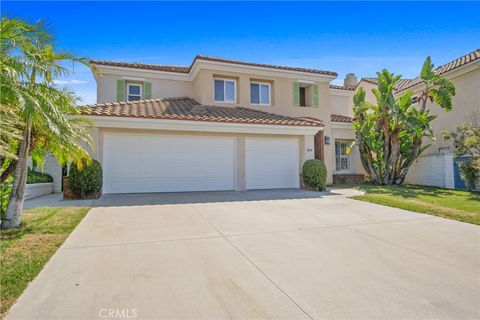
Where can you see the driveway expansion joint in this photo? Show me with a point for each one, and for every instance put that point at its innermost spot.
(253, 264)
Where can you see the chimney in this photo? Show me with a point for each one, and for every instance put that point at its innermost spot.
(350, 80)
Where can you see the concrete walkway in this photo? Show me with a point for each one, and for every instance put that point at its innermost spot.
(271, 254)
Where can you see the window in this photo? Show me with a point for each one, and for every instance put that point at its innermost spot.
(134, 91)
(260, 93)
(342, 159)
(303, 102)
(224, 90)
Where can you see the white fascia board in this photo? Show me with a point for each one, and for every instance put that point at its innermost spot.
(262, 71)
(340, 92)
(199, 126)
(342, 125)
(144, 73)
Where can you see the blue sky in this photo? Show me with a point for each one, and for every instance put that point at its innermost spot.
(360, 37)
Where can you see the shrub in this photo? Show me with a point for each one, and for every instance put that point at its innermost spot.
(87, 179)
(38, 177)
(470, 172)
(315, 174)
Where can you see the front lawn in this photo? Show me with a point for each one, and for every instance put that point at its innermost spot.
(25, 250)
(452, 204)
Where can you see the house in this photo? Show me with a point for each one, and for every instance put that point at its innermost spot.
(436, 167)
(218, 124)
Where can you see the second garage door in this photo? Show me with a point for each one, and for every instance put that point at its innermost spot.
(135, 163)
(272, 163)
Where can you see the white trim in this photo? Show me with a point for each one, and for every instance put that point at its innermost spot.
(199, 126)
(260, 95)
(225, 90)
(341, 125)
(340, 92)
(134, 79)
(128, 92)
(151, 74)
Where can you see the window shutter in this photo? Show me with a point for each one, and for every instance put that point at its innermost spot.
(315, 100)
(296, 94)
(120, 90)
(147, 90)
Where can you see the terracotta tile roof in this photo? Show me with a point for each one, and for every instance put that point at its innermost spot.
(314, 120)
(333, 86)
(404, 84)
(340, 118)
(189, 109)
(180, 69)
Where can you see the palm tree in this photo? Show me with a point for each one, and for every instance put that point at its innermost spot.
(43, 117)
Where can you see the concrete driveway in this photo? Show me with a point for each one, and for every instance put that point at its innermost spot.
(266, 254)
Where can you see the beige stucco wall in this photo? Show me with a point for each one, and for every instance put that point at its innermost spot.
(161, 88)
(305, 143)
(342, 104)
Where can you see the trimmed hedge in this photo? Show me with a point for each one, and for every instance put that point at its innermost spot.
(86, 180)
(314, 174)
(38, 177)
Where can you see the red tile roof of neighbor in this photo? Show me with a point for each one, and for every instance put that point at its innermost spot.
(340, 118)
(404, 84)
(185, 69)
(189, 109)
(333, 86)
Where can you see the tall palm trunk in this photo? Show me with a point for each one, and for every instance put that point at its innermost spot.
(15, 205)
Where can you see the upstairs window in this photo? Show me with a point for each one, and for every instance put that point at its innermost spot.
(224, 90)
(303, 100)
(260, 93)
(134, 91)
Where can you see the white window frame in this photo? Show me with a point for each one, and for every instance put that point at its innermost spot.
(131, 85)
(260, 93)
(225, 90)
(349, 162)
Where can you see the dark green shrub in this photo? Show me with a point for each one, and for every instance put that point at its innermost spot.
(87, 179)
(38, 177)
(314, 174)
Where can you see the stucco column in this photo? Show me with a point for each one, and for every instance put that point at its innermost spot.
(240, 182)
(307, 152)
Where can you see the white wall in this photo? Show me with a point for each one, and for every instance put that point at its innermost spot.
(434, 170)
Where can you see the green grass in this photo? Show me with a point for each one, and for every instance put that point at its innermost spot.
(452, 204)
(25, 250)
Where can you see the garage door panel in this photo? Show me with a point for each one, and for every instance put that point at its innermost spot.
(161, 163)
(272, 163)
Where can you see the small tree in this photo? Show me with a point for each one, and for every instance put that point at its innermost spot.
(86, 178)
(389, 133)
(466, 142)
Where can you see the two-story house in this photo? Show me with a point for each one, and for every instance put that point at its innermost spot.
(218, 125)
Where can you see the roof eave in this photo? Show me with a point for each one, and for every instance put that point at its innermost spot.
(199, 125)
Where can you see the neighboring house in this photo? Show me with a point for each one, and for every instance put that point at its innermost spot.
(218, 125)
(436, 166)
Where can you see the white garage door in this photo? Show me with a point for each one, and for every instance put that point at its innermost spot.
(272, 163)
(135, 163)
